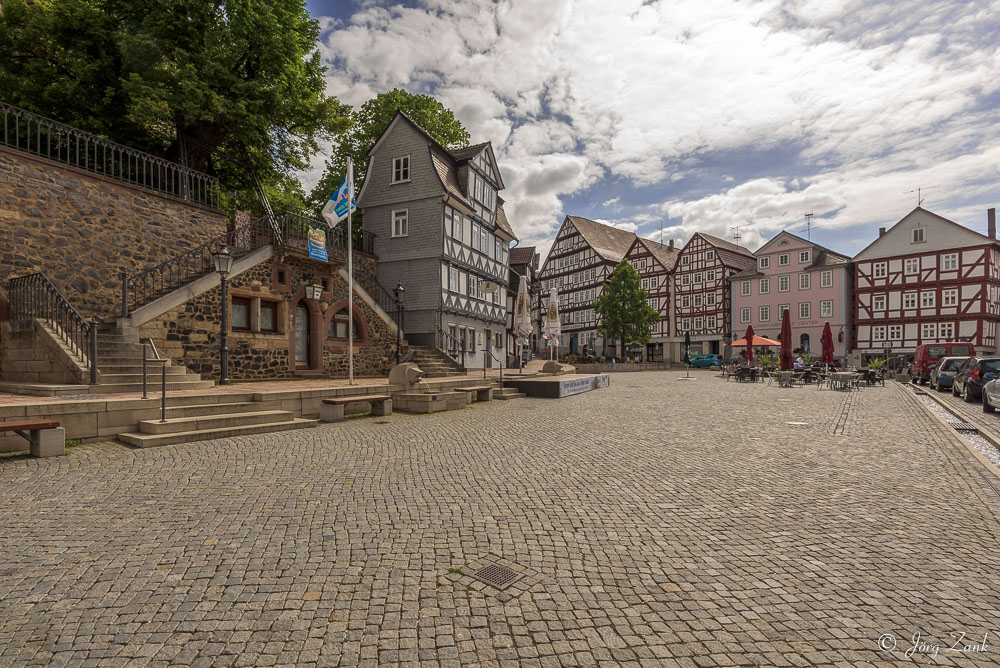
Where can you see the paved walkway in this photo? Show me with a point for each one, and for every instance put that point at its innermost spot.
(656, 522)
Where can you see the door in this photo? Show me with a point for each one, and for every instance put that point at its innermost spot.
(489, 348)
(573, 342)
(301, 336)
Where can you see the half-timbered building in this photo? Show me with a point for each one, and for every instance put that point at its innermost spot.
(927, 280)
(654, 263)
(523, 262)
(701, 290)
(581, 260)
(443, 234)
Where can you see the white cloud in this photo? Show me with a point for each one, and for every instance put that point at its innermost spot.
(876, 97)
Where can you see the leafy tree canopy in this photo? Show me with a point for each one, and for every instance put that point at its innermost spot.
(369, 122)
(144, 72)
(622, 307)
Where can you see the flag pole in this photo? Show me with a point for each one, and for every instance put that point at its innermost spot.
(350, 274)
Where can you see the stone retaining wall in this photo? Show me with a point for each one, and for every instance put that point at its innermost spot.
(30, 354)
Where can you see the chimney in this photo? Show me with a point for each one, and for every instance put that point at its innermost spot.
(991, 223)
(671, 244)
(881, 231)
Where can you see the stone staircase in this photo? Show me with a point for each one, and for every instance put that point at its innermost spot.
(119, 356)
(435, 363)
(191, 419)
(508, 393)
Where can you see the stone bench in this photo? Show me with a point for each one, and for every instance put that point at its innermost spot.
(480, 392)
(332, 410)
(46, 437)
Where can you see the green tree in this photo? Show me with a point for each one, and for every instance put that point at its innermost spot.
(222, 74)
(368, 123)
(622, 307)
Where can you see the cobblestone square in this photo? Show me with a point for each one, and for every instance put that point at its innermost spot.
(656, 522)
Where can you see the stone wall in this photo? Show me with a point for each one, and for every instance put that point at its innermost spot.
(189, 333)
(31, 354)
(81, 229)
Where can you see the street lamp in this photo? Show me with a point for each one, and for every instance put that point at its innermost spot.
(398, 293)
(223, 265)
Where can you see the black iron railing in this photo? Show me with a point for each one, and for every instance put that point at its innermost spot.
(29, 132)
(35, 297)
(454, 346)
(295, 226)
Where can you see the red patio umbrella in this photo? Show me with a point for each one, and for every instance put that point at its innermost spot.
(827, 340)
(749, 337)
(785, 356)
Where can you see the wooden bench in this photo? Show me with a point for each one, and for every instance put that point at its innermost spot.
(482, 392)
(332, 410)
(46, 437)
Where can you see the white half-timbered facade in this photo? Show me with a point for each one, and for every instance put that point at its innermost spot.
(582, 258)
(927, 280)
(654, 263)
(701, 289)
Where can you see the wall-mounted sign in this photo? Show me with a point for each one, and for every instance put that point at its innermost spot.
(317, 244)
(487, 287)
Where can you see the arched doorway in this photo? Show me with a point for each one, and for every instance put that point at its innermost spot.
(804, 343)
(303, 336)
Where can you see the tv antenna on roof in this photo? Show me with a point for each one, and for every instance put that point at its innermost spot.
(920, 200)
(809, 226)
(736, 233)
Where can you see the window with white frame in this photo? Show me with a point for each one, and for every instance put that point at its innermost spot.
(710, 299)
(826, 308)
(782, 308)
(400, 169)
(473, 287)
(710, 275)
(697, 277)
(453, 279)
(912, 265)
(652, 282)
(928, 330)
(909, 300)
(685, 259)
(946, 331)
(805, 309)
(878, 333)
(826, 279)
(710, 322)
(949, 262)
(744, 288)
(654, 302)
(895, 332)
(686, 323)
(803, 256)
(764, 286)
(685, 279)
(783, 283)
(764, 313)
(400, 223)
(949, 298)
(709, 255)
(878, 303)
(782, 259)
(879, 269)
(918, 235)
(927, 299)
(685, 301)
(645, 283)
(804, 280)
(745, 314)
(697, 323)
(697, 300)
(764, 262)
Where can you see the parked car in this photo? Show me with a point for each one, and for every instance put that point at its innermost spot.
(991, 393)
(706, 360)
(970, 377)
(928, 354)
(943, 373)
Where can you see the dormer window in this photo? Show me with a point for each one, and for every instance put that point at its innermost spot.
(401, 169)
(918, 235)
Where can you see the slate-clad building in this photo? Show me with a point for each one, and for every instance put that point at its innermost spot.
(441, 232)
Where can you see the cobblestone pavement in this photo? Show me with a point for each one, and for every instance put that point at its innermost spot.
(657, 522)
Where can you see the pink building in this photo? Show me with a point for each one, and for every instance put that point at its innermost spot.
(813, 282)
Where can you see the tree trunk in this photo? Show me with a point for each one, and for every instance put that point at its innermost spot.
(210, 134)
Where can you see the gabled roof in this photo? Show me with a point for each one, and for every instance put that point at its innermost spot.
(975, 238)
(522, 255)
(468, 153)
(502, 222)
(730, 254)
(663, 253)
(722, 244)
(608, 242)
(815, 246)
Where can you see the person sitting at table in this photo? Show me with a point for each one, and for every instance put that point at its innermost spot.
(799, 362)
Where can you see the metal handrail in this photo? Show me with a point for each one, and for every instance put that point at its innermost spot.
(32, 133)
(35, 297)
(499, 361)
(163, 376)
(459, 345)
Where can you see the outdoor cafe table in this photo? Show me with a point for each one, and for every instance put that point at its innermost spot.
(841, 380)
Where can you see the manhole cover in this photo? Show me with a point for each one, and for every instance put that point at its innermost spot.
(963, 426)
(919, 392)
(497, 576)
(381, 422)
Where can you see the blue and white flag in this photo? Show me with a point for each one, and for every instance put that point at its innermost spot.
(335, 209)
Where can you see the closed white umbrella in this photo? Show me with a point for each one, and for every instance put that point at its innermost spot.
(522, 315)
(551, 326)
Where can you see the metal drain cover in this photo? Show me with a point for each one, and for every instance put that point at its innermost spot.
(963, 426)
(919, 393)
(497, 576)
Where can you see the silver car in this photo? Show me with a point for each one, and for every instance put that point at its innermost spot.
(943, 373)
(991, 393)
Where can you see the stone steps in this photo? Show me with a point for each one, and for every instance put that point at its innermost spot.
(429, 402)
(142, 440)
(190, 410)
(152, 386)
(194, 423)
(508, 393)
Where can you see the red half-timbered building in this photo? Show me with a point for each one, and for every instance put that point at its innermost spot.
(927, 280)
(654, 262)
(701, 290)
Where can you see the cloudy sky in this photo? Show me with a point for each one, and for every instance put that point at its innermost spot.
(701, 115)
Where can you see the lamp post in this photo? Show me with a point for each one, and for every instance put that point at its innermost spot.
(223, 265)
(314, 291)
(398, 293)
